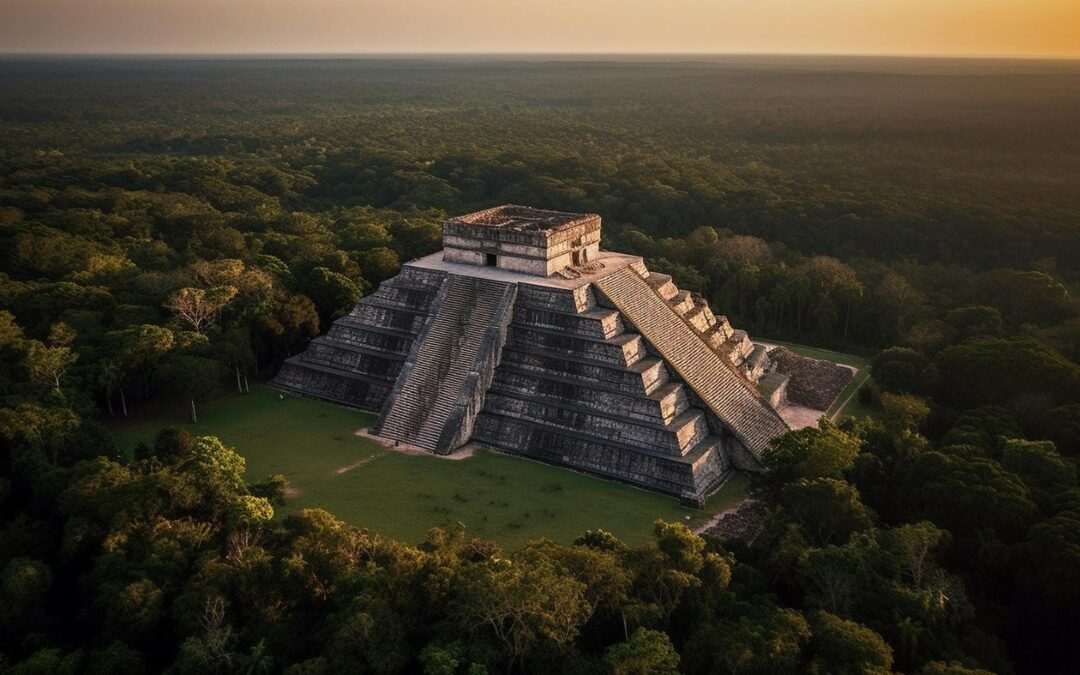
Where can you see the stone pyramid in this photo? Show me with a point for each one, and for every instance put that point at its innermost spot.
(523, 336)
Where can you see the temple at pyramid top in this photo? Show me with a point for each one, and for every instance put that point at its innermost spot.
(522, 239)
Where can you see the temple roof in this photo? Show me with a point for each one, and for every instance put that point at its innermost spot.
(523, 219)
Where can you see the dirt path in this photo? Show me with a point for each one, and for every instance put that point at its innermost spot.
(354, 465)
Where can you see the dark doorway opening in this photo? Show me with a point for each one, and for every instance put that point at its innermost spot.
(491, 260)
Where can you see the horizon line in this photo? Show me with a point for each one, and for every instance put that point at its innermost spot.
(512, 54)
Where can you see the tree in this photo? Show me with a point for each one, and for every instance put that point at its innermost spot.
(985, 427)
(1040, 466)
(11, 333)
(111, 376)
(61, 335)
(521, 605)
(379, 264)
(836, 575)
(49, 364)
(647, 652)
(1053, 558)
(190, 377)
(913, 544)
(972, 373)
(234, 349)
(965, 495)
(840, 646)
(50, 661)
(24, 587)
(765, 640)
(299, 318)
(951, 668)
(1062, 426)
(216, 473)
(903, 370)
(1026, 296)
(827, 509)
(904, 413)
(822, 452)
(334, 294)
(976, 320)
(140, 348)
(199, 307)
(273, 488)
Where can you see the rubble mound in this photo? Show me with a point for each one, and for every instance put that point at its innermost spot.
(814, 383)
(742, 522)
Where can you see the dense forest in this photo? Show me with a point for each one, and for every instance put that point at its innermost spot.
(171, 229)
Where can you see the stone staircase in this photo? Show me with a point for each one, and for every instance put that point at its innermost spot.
(714, 380)
(443, 357)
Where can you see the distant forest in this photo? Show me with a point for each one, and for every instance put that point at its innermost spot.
(170, 228)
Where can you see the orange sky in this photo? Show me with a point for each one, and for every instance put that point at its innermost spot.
(924, 27)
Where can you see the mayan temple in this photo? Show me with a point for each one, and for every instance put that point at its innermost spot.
(522, 335)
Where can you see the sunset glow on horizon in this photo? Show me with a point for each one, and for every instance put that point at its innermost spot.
(1036, 28)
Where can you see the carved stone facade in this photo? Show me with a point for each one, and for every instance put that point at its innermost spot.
(522, 239)
(553, 350)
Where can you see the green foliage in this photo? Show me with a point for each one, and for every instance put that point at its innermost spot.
(903, 412)
(647, 652)
(965, 495)
(847, 647)
(765, 640)
(823, 452)
(972, 373)
(334, 294)
(976, 320)
(1062, 426)
(1027, 296)
(826, 508)
(904, 371)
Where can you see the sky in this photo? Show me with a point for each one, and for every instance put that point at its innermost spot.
(1024, 28)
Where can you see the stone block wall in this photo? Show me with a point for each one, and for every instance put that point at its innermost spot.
(575, 388)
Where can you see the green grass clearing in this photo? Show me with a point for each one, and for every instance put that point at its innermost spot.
(508, 499)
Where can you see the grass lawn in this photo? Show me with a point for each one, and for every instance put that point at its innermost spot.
(847, 403)
(504, 498)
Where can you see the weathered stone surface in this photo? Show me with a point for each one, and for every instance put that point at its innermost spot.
(522, 239)
(814, 383)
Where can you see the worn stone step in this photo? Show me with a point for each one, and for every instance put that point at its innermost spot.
(682, 303)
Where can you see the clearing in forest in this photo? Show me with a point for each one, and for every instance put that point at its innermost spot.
(508, 499)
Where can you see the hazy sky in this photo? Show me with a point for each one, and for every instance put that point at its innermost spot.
(961, 27)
